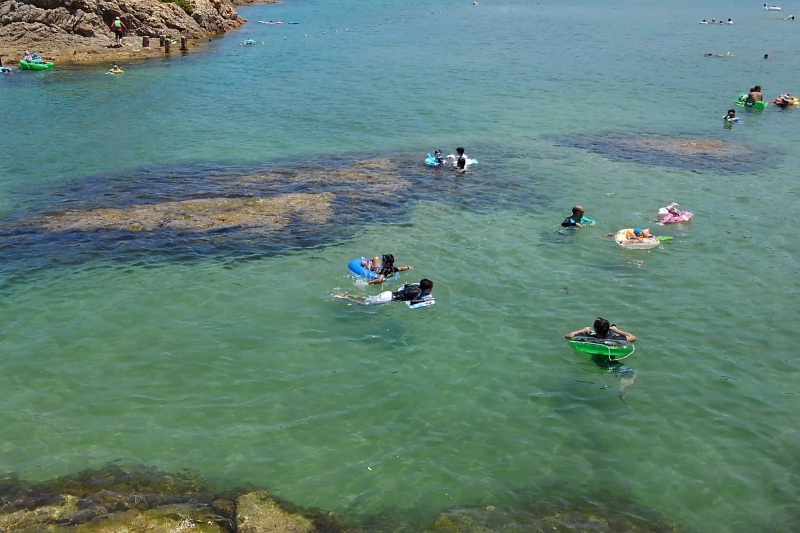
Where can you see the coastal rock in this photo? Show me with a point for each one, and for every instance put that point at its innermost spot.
(75, 31)
(258, 512)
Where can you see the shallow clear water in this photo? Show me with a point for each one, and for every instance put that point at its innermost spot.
(232, 358)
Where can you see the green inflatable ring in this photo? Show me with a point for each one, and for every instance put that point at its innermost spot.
(742, 102)
(613, 347)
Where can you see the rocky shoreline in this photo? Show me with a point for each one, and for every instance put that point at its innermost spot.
(133, 499)
(76, 32)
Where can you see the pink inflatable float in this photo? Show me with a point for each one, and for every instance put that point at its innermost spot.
(672, 214)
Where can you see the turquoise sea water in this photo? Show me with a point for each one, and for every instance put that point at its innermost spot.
(231, 358)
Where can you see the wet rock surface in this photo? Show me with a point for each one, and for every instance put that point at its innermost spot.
(133, 499)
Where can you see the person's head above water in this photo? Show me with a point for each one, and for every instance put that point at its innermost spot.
(387, 260)
(577, 210)
(601, 326)
(460, 150)
(426, 285)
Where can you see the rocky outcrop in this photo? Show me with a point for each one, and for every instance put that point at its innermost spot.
(78, 30)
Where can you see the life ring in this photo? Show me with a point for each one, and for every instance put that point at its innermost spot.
(741, 101)
(355, 267)
(667, 217)
(647, 242)
(613, 347)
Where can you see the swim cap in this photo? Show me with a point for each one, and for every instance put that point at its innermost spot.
(637, 231)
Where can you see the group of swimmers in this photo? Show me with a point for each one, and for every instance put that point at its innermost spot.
(32, 57)
(601, 329)
(754, 95)
(578, 219)
(460, 162)
(715, 21)
(383, 268)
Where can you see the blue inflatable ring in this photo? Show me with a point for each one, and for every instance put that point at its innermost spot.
(355, 267)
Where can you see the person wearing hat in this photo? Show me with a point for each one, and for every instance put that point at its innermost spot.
(637, 234)
(577, 220)
(119, 29)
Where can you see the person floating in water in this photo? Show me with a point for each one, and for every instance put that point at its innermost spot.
(411, 292)
(731, 116)
(637, 234)
(785, 100)
(602, 329)
(754, 95)
(461, 159)
(577, 219)
(383, 267)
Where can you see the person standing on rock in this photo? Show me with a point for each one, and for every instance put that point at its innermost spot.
(119, 29)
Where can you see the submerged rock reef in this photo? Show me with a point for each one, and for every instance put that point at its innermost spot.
(181, 214)
(134, 499)
(687, 153)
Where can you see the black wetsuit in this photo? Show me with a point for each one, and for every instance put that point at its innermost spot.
(410, 292)
(387, 272)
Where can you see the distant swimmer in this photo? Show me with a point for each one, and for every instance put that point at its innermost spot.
(785, 100)
(730, 21)
(704, 21)
(791, 17)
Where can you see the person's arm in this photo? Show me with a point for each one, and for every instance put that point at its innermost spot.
(585, 220)
(628, 336)
(377, 281)
(402, 268)
(581, 331)
(568, 223)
